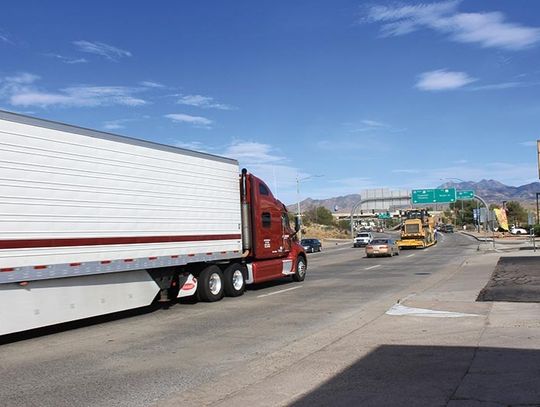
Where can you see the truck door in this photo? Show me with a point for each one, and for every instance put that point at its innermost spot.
(286, 233)
(267, 222)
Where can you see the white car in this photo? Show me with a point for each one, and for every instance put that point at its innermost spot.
(518, 231)
(362, 239)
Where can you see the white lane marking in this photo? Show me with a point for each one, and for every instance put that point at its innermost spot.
(280, 291)
(410, 255)
(372, 267)
(398, 309)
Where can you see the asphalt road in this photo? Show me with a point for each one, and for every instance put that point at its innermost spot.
(148, 358)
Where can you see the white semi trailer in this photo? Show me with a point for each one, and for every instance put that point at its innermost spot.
(93, 223)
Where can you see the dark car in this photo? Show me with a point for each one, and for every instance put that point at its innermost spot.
(311, 245)
(447, 229)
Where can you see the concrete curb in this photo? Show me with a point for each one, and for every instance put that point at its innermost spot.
(483, 239)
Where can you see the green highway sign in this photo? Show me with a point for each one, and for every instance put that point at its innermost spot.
(445, 195)
(465, 195)
(420, 196)
(431, 196)
(384, 216)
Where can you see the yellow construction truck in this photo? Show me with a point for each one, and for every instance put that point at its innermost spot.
(417, 230)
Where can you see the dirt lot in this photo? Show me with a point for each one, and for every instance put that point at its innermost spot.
(515, 279)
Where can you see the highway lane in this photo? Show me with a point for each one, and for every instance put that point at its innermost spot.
(147, 358)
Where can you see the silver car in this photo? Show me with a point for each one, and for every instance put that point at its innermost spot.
(382, 247)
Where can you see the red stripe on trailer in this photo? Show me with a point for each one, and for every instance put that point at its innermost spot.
(174, 256)
(209, 254)
(105, 262)
(39, 267)
(6, 270)
(96, 241)
(128, 260)
(74, 264)
(191, 255)
(223, 252)
(152, 258)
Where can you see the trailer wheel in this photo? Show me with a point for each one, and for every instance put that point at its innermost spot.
(210, 287)
(301, 268)
(234, 280)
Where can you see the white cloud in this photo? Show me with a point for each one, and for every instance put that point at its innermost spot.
(192, 145)
(20, 82)
(105, 50)
(79, 96)
(21, 90)
(68, 60)
(405, 171)
(442, 79)
(488, 29)
(205, 102)
(23, 78)
(268, 163)
(531, 143)
(197, 121)
(369, 125)
(4, 38)
(116, 124)
(373, 123)
(251, 152)
(504, 85)
(151, 84)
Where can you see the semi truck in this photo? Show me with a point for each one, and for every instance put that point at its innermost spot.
(417, 230)
(93, 223)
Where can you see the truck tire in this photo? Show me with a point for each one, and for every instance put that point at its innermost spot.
(210, 287)
(301, 268)
(234, 280)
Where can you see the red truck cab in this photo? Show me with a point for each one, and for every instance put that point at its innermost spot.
(274, 250)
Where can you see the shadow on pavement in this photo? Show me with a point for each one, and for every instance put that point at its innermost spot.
(434, 376)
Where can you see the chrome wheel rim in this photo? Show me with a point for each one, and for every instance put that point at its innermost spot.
(237, 280)
(214, 283)
(301, 267)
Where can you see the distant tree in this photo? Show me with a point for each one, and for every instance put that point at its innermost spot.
(292, 217)
(319, 215)
(516, 213)
(463, 212)
(344, 225)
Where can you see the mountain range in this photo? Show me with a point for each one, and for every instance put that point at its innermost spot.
(490, 190)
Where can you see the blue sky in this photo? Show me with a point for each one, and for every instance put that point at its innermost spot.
(368, 95)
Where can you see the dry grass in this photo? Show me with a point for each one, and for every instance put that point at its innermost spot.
(323, 232)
